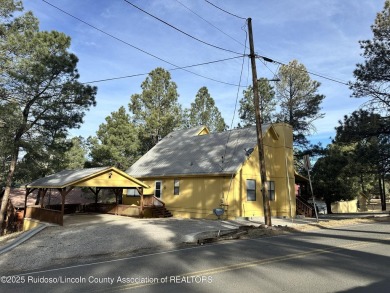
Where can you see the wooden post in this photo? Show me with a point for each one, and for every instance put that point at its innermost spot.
(256, 98)
(43, 194)
(63, 194)
(141, 192)
(25, 202)
(116, 200)
(28, 191)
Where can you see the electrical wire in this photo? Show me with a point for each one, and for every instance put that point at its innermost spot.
(179, 30)
(237, 41)
(231, 124)
(212, 4)
(139, 49)
(236, 102)
(267, 59)
(171, 69)
(275, 76)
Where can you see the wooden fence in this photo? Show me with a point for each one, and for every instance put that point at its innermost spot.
(114, 209)
(45, 215)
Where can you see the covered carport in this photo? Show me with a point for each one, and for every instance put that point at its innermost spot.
(95, 179)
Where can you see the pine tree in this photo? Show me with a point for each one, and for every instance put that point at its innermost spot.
(203, 111)
(267, 107)
(299, 101)
(75, 155)
(370, 134)
(116, 143)
(156, 110)
(38, 85)
(373, 76)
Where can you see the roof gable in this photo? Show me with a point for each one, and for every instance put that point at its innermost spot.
(189, 132)
(183, 153)
(90, 177)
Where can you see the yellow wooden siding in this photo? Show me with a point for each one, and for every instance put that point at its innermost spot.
(198, 196)
(277, 156)
(110, 178)
(204, 131)
(131, 200)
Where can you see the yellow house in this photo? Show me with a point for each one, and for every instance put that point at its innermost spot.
(193, 171)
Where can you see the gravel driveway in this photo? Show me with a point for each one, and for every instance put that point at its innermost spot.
(86, 238)
(92, 237)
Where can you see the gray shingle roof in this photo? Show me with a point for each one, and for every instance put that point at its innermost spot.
(184, 153)
(65, 177)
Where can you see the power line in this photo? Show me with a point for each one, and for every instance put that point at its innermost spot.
(179, 30)
(303, 70)
(108, 34)
(267, 59)
(235, 105)
(209, 23)
(265, 64)
(171, 69)
(225, 10)
(139, 49)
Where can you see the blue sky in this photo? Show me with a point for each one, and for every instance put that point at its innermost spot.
(321, 34)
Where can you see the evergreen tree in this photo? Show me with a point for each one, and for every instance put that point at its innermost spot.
(75, 155)
(373, 76)
(298, 100)
(203, 111)
(38, 84)
(370, 133)
(43, 157)
(116, 143)
(267, 106)
(156, 110)
(332, 176)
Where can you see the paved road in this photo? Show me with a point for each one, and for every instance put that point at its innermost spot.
(342, 259)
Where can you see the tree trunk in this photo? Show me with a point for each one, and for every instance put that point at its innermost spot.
(362, 185)
(383, 200)
(8, 184)
(38, 198)
(384, 193)
(328, 207)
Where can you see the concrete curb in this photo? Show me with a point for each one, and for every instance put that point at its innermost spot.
(19, 240)
(198, 237)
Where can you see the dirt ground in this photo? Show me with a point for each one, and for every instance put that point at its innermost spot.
(262, 231)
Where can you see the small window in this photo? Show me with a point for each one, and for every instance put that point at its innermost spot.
(158, 189)
(132, 192)
(176, 187)
(271, 190)
(250, 190)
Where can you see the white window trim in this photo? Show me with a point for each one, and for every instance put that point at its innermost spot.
(255, 199)
(178, 186)
(161, 188)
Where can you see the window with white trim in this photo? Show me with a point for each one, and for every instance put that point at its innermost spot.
(176, 187)
(250, 190)
(271, 190)
(158, 189)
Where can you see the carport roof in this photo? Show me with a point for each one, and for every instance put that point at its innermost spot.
(91, 177)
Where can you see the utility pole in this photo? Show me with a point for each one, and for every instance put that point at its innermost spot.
(263, 175)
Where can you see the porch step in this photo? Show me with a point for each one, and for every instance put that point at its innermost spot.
(160, 212)
(304, 208)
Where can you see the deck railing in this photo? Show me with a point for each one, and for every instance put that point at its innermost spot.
(304, 207)
(151, 200)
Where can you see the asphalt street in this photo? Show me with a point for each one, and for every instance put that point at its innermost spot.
(341, 259)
